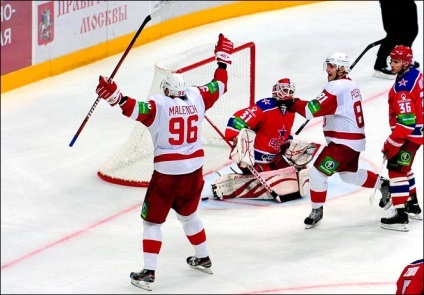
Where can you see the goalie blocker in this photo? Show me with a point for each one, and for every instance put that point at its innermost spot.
(290, 183)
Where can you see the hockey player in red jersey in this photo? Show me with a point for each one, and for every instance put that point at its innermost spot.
(406, 124)
(174, 119)
(340, 103)
(411, 280)
(269, 149)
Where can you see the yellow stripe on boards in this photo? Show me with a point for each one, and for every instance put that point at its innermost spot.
(98, 52)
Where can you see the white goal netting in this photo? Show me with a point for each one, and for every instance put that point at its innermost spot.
(132, 163)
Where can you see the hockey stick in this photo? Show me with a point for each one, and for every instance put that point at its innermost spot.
(377, 183)
(165, 7)
(369, 46)
(255, 173)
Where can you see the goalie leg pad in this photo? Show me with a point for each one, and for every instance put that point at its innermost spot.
(283, 182)
(303, 176)
(235, 185)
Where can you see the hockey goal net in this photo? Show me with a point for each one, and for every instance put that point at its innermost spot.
(132, 163)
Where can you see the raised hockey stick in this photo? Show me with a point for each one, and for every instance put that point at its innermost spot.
(369, 46)
(377, 183)
(255, 173)
(167, 5)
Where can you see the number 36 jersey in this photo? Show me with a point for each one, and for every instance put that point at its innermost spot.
(406, 107)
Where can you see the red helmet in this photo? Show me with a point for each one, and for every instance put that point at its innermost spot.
(283, 89)
(402, 52)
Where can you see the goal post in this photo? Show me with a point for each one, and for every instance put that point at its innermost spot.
(132, 163)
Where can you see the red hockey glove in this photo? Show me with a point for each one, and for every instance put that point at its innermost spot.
(109, 91)
(391, 147)
(223, 49)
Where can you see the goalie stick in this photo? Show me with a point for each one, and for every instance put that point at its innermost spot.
(377, 183)
(369, 46)
(167, 5)
(255, 173)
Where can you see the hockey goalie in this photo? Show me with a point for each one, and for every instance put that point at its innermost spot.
(261, 140)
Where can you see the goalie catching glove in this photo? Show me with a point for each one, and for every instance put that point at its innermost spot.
(109, 91)
(300, 153)
(223, 49)
(243, 152)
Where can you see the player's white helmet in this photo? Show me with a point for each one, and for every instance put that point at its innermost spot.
(339, 59)
(283, 89)
(175, 83)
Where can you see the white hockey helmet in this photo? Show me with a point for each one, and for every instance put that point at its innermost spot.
(175, 83)
(339, 59)
(283, 89)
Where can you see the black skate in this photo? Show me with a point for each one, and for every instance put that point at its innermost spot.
(399, 221)
(200, 264)
(314, 218)
(412, 208)
(215, 193)
(143, 279)
(385, 201)
(415, 64)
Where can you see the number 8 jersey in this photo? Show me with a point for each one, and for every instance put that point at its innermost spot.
(340, 103)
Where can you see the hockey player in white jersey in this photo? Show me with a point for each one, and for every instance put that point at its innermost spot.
(340, 103)
(174, 120)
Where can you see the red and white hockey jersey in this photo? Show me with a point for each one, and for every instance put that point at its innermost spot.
(175, 124)
(340, 103)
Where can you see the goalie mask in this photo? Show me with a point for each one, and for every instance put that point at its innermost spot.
(283, 89)
(175, 84)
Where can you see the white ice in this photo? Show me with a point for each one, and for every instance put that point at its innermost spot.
(64, 230)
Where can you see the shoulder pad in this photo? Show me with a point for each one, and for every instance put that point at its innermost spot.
(267, 103)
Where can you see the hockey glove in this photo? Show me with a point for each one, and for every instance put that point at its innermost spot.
(109, 91)
(300, 153)
(391, 147)
(223, 49)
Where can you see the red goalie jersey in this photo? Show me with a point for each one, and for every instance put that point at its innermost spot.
(411, 280)
(272, 124)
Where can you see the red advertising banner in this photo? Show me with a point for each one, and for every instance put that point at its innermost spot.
(16, 38)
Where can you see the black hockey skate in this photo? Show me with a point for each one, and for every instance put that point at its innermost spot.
(412, 208)
(314, 218)
(415, 64)
(214, 192)
(143, 279)
(385, 201)
(200, 264)
(399, 221)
